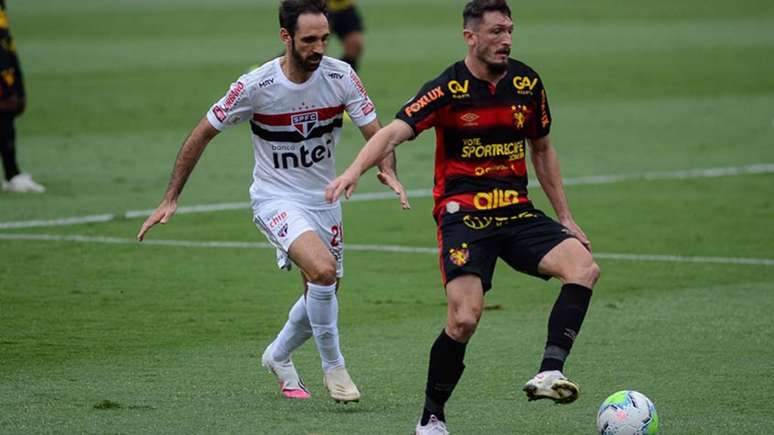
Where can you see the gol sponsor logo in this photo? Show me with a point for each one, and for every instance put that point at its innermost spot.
(473, 148)
(495, 199)
(424, 100)
(477, 222)
(524, 85)
(483, 222)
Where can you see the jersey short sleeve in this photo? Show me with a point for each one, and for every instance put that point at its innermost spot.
(235, 107)
(420, 112)
(359, 105)
(540, 124)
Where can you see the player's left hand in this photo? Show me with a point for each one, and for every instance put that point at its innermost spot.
(577, 232)
(345, 183)
(390, 179)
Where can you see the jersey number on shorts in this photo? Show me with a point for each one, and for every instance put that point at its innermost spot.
(338, 235)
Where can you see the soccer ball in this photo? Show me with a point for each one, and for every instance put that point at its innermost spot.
(627, 413)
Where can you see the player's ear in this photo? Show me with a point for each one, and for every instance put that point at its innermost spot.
(286, 37)
(469, 36)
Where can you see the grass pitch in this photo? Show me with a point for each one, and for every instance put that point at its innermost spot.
(125, 338)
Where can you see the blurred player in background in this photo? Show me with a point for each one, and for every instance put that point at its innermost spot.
(294, 105)
(12, 103)
(486, 110)
(347, 24)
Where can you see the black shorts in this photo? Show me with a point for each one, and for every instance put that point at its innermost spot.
(471, 242)
(345, 22)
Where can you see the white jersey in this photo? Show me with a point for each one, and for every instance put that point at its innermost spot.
(295, 127)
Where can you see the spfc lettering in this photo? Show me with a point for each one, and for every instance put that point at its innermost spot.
(304, 123)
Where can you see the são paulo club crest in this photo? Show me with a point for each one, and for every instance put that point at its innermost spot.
(304, 123)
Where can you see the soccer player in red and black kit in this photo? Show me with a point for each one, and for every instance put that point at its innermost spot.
(486, 110)
(12, 103)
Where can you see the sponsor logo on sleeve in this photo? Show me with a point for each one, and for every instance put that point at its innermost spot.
(219, 113)
(422, 102)
(336, 76)
(233, 95)
(367, 108)
(358, 84)
(544, 119)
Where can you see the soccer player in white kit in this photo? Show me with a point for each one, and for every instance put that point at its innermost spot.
(295, 106)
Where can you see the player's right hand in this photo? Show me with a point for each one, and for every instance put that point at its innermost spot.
(162, 215)
(345, 183)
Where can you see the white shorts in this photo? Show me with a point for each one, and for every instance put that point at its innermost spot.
(283, 221)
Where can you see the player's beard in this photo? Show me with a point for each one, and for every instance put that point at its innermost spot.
(495, 68)
(309, 63)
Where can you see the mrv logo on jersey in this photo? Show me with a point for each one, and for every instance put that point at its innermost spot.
(298, 156)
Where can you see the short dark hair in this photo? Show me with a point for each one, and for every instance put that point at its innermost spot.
(290, 10)
(475, 10)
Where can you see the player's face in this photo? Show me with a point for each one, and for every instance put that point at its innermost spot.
(310, 41)
(492, 39)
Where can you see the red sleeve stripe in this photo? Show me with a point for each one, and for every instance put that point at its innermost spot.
(283, 119)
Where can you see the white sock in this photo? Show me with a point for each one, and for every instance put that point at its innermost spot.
(295, 332)
(322, 307)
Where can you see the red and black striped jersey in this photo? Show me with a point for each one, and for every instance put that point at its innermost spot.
(481, 132)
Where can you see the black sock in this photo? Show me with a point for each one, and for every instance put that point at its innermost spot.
(352, 61)
(444, 372)
(7, 148)
(564, 324)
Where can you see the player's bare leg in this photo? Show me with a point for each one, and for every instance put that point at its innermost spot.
(319, 267)
(574, 266)
(465, 296)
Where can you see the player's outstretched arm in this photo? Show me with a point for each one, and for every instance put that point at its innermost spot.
(189, 154)
(380, 145)
(546, 164)
(388, 167)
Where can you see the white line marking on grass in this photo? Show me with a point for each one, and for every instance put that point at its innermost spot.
(366, 248)
(58, 222)
(763, 168)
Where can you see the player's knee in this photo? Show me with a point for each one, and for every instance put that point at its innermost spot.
(461, 328)
(585, 274)
(323, 274)
(594, 272)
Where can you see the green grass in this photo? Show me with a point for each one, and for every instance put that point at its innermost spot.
(99, 338)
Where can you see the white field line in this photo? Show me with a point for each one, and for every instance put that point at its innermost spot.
(763, 168)
(367, 248)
